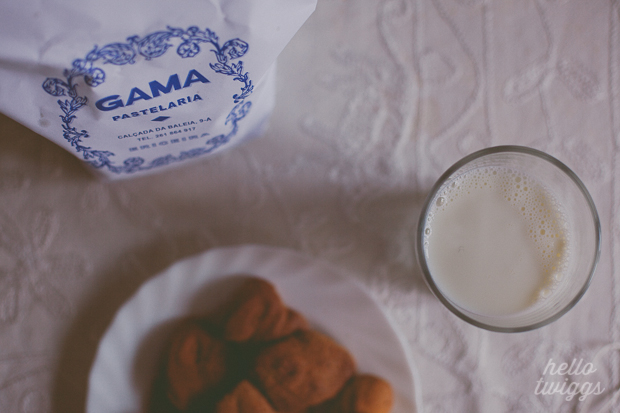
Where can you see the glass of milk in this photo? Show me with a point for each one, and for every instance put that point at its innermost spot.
(508, 239)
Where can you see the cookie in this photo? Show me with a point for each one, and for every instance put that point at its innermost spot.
(245, 398)
(364, 393)
(195, 366)
(302, 370)
(256, 313)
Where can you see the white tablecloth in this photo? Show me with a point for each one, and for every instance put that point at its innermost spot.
(375, 99)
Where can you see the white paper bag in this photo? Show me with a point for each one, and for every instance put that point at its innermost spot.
(135, 86)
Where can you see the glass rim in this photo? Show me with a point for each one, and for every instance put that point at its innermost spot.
(426, 208)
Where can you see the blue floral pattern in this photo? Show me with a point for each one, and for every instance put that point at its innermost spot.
(149, 47)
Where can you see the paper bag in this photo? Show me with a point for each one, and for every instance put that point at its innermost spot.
(136, 86)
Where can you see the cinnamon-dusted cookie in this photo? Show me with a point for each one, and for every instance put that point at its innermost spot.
(364, 393)
(195, 366)
(245, 398)
(302, 370)
(256, 313)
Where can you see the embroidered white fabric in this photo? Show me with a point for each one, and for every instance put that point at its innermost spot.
(375, 99)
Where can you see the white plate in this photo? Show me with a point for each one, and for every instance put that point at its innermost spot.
(331, 300)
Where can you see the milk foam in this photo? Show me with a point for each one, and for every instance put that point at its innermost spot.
(496, 241)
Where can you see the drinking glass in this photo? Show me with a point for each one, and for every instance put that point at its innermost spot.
(582, 222)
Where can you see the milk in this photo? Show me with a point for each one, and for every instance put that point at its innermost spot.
(496, 241)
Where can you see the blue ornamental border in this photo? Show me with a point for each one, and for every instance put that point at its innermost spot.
(150, 47)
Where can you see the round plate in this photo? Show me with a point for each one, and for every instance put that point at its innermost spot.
(331, 300)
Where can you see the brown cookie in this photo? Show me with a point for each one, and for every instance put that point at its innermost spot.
(364, 393)
(245, 398)
(256, 313)
(302, 370)
(196, 364)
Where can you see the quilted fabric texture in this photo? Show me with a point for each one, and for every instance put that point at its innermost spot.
(375, 99)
